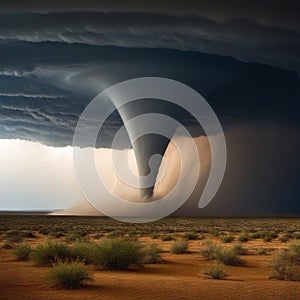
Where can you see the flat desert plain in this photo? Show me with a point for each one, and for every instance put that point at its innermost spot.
(173, 276)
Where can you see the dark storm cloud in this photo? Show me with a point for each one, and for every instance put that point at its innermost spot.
(248, 30)
(56, 56)
(44, 87)
(268, 11)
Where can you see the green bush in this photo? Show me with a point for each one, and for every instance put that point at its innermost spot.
(228, 256)
(244, 237)
(296, 235)
(284, 238)
(267, 235)
(167, 237)
(294, 250)
(201, 236)
(154, 235)
(50, 252)
(22, 251)
(152, 253)
(224, 255)
(180, 246)
(71, 238)
(255, 235)
(118, 254)
(84, 251)
(238, 248)
(14, 236)
(215, 271)
(286, 265)
(208, 250)
(190, 236)
(68, 275)
(227, 238)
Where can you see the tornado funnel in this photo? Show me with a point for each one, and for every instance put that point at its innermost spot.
(150, 144)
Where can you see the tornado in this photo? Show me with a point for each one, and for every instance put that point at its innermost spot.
(149, 144)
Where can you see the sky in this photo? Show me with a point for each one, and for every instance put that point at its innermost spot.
(242, 56)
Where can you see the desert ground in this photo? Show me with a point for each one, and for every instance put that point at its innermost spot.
(174, 276)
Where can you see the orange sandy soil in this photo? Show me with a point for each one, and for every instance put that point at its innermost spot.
(177, 277)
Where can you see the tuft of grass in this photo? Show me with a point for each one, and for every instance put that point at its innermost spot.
(190, 235)
(224, 255)
(22, 251)
(261, 251)
(267, 235)
(208, 250)
(228, 256)
(286, 265)
(50, 252)
(69, 275)
(180, 246)
(227, 238)
(284, 238)
(71, 238)
(152, 253)
(244, 237)
(154, 235)
(238, 247)
(268, 238)
(14, 236)
(201, 236)
(83, 251)
(255, 235)
(215, 271)
(118, 254)
(167, 237)
(296, 235)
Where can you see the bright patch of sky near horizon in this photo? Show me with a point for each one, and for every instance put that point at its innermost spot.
(35, 176)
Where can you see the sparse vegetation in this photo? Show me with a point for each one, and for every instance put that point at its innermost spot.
(167, 237)
(215, 271)
(201, 237)
(155, 235)
(224, 255)
(50, 252)
(118, 254)
(190, 235)
(296, 235)
(72, 237)
(85, 241)
(180, 246)
(227, 238)
(238, 247)
(284, 238)
(286, 265)
(83, 251)
(262, 251)
(244, 237)
(22, 251)
(208, 250)
(152, 253)
(68, 275)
